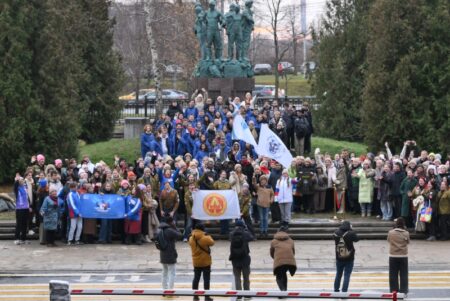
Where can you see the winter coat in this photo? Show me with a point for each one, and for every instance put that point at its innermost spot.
(200, 243)
(321, 182)
(73, 202)
(384, 187)
(222, 185)
(245, 201)
(306, 178)
(407, 185)
(133, 207)
(282, 250)
(283, 190)
(237, 259)
(398, 242)
(236, 182)
(169, 200)
(51, 212)
(20, 191)
(350, 238)
(365, 185)
(147, 143)
(171, 235)
(265, 196)
(341, 179)
(443, 200)
(395, 180)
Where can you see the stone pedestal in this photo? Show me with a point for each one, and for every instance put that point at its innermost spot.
(225, 87)
(134, 126)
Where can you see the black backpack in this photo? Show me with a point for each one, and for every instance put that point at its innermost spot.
(342, 250)
(239, 246)
(301, 127)
(160, 240)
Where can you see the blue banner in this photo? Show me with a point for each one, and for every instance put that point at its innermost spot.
(109, 206)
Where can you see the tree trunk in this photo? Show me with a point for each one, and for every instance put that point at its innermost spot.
(277, 60)
(150, 12)
(294, 49)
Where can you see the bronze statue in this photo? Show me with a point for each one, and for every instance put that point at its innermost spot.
(248, 25)
(214, 21)
(200, 29)
(234, 31)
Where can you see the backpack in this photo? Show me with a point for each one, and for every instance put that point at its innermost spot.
(341, 248)
(301, 127)
(160, 240)
(238, 247)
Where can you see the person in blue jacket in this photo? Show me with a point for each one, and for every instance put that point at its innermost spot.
(51, 210)
(76, 220)
(133, 209)
(202, 152)
(191, 110)
(179, 145)
(147, 140)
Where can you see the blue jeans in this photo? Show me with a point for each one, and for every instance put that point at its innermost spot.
(366, 208)
(386, 209)
(263, 219)
(345, 267)
(187, 228)
(105, 230)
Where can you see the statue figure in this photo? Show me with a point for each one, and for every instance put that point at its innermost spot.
(200, 29)
(247, 28)
(234, 31)
(214, 21)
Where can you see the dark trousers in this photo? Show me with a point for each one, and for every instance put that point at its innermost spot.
(398, 267)
(397, 203)
(275, 212)
(376, 203)
(206, 277)
(245, 272)
(21, 224)
(290, 138)
(329, 199)
(50, 236)
(225, 226)
(307, 144)
(281, 277)
(444, 220)
(144, 223)
(346, 268)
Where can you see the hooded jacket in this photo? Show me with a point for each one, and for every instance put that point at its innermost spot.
(349, 239)
(200, 243)
(282, 250)
(171, 234)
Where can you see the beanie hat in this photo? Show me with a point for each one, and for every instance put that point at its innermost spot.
(131, 174)
(141, 186)
(43, 183)
(239, 223)
(40, 157)
(124, 182)
(58, 161)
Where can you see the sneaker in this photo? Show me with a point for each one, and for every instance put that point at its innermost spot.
(79, 242)
(17, 242)
(69, 243)
(25, 242)
(31, 232)
(184, 239)
(363, 215)
(431, 238)
(369, 214)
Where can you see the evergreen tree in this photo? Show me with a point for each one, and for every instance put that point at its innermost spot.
(340, 50)
(405, 96)
(99, 91)
(15, 83)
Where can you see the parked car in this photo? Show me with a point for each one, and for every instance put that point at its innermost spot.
(132, 95)
(168, 94)
(260, 69)
(263, 90)
(174, 69)
(288, 68)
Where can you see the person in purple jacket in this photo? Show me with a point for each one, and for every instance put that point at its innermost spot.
(22, 210)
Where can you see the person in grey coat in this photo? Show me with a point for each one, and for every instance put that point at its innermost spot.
(51, 209)
(168, 256)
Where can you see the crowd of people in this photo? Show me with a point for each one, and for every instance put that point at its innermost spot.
(193, 148)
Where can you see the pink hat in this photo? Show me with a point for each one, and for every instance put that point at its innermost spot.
(124, 182)
(40, 157)
(58, 161)
(141, 186)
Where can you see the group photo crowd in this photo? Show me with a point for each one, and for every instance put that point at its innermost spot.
(193, 148)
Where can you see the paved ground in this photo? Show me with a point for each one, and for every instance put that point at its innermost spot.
(25, 270)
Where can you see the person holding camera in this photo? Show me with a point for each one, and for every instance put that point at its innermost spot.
(398, 239)
(168, 255)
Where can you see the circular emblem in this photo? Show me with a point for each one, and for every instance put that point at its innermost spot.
(274, 145)
(214, 204)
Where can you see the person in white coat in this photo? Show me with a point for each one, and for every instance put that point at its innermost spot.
(283, 196)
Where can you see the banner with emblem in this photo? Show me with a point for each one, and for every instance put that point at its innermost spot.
(215, 205)
(270, 145)
(108, 206)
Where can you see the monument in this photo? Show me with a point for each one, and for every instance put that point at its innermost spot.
(233, 75)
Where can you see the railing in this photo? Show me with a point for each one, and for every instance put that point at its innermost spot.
(148, 108)
(60, 290)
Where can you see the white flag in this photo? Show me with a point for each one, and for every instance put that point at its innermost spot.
(270, 145)
(215, 205)
(241, 131)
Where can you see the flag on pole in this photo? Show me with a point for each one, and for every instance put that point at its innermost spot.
(215, 205)
(241, 131)
(270, 145)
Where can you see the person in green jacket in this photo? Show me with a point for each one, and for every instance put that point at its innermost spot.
(406, 189)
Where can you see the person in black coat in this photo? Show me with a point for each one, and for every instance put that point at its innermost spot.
(168, 256)
(345, 254)
(240, 254)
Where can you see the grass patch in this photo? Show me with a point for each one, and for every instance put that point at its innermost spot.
(7, 215)
(297, 85)
(332, 146)
(130, 149)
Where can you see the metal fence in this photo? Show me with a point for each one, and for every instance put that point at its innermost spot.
(148, 108)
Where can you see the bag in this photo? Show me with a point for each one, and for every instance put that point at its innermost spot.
(425, 214)
(160, 240)
(341, 248)
(301, 127)
(238, 247)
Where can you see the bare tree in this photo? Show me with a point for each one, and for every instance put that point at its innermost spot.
(293, 13)
(277, 16)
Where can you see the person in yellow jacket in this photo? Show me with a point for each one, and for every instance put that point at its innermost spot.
(200, 243)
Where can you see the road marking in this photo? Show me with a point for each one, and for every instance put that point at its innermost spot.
(109, 279)
(135, 278)
(84, 278)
